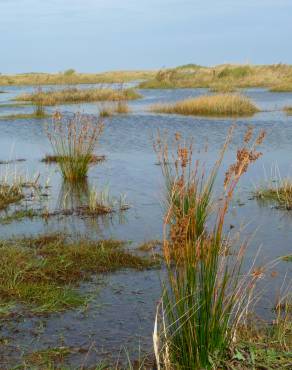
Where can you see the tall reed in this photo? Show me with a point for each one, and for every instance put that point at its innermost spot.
(73, 141)
(204, 295)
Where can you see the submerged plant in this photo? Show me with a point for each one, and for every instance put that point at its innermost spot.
(278, 192)
(74, 141)
(204, 296)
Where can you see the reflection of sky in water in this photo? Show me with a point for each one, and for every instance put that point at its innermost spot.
(130, 169)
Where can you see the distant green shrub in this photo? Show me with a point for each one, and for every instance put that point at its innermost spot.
(69, 72)
(235, 72)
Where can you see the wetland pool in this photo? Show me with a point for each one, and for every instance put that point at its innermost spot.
(121, 313)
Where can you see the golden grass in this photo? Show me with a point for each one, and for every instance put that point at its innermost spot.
(285, 86)
(74, 95)
(122, 107)
(238, 76)
(74, 78)
(213, 105)
(10, 194)
(222, 88)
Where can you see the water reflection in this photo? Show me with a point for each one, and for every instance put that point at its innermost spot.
(75, 196)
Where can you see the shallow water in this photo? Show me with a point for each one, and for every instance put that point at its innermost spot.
(123, 316)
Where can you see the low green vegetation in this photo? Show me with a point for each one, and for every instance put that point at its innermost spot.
(75, 96)
(268, 347)
(71, 77)
(38, 113)
(74, 141)
(42, 272)
(10, 161)
(19, 215)
(13, 117)
(50, 358)
(287, 258)
(277, 77)
(51, 159)
(212, 105)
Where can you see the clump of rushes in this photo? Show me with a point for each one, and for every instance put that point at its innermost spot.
(100, 202)
(74, 96)
(39, 110)
(109, 109)
(213, 105)
(279, 193)
(122, 107)
(74, 141)
(42, 272)
(204, 296)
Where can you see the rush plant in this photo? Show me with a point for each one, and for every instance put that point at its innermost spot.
(74, 141)
(205, 294)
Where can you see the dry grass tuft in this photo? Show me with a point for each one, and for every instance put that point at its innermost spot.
(71, 77)
(75, 96)
(213, 105)
(10, 194)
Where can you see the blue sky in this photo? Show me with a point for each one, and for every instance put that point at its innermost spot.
(99, 35)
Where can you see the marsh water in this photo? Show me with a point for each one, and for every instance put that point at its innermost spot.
(120, 316)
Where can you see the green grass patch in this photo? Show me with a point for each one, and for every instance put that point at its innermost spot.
(49, 358)
(212, 105)
(287, 258)
(75, 96)
(14, 117)
(42, 273)
(19, 215)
